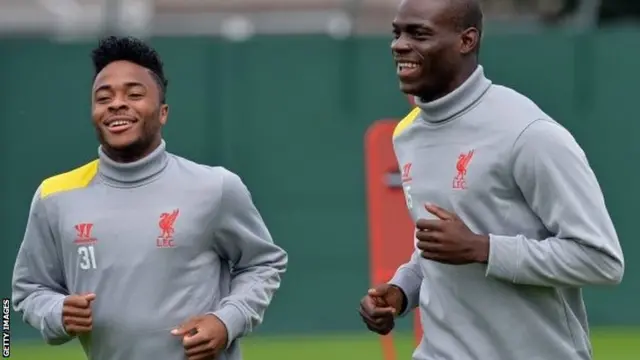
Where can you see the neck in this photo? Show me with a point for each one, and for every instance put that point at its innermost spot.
(458, 79)
(135, 172)
(134, 152)
(472, 86)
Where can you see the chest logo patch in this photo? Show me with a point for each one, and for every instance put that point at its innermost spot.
(86, 249)
(464, 159)
(166, 225)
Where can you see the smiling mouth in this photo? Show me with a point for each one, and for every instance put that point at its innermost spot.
(407, 69)
(119, 125)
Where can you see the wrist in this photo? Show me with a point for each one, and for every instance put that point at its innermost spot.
(401, 304)
(233, 320)
(481, 249)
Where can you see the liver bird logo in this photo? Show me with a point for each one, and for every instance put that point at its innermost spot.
(166, 223)
(463, 163)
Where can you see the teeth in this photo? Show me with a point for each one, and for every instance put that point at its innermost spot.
(407, 65)
(119, 123)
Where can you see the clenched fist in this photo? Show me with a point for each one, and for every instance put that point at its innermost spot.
(448, 240)
(76, 313)
(380, 306)
(203, 337)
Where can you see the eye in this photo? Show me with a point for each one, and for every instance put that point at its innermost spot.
(420, 35)
(102, 99)
(136, 96)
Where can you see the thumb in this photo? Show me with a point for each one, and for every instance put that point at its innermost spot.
(378, 291)
(185, 328)
(89, 297)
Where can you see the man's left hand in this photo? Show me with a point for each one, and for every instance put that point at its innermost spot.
(448, 240)
(203, 337)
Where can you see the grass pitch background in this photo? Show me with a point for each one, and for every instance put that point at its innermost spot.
(608, 344)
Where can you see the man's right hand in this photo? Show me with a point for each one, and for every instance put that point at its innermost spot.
(76, 313)
(380, 306)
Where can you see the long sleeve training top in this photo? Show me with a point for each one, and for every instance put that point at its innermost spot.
(158, 241)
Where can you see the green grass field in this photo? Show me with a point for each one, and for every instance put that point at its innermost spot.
(608, 345)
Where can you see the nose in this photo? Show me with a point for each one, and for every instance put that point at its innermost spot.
(118, 103)
(400, 45)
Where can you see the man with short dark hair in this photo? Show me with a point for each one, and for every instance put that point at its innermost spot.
(510, 219)
(142, 254)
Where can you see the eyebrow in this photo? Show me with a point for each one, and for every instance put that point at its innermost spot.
(128, 85)
(410, 26)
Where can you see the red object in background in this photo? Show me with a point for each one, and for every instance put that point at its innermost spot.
(390, 226)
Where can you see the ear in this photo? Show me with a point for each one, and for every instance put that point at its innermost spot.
(164, 113)
(469, 41)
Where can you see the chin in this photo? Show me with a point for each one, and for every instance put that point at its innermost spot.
(121, 144)
(410, 89)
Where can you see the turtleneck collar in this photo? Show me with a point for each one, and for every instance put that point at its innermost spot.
(134, 173)
(456, 101)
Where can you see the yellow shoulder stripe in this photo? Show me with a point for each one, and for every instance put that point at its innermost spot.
(404, 123)
(74, 179)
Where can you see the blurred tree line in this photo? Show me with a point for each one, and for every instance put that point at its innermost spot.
(555, 11)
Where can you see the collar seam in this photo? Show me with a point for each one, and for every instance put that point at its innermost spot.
(120, 184)
(460, 114)
(129, 185)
